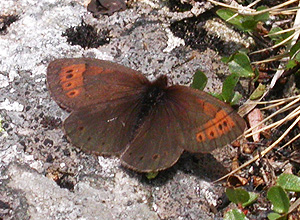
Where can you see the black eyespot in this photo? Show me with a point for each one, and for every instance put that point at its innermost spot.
(200, 137)
(155, 156)
(72, 93)
(69, 76)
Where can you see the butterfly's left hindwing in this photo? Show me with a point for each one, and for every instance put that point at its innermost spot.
(157, 144)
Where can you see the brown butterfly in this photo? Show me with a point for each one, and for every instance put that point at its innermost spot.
(116, 110)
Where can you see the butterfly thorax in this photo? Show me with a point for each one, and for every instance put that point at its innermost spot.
(154, 94)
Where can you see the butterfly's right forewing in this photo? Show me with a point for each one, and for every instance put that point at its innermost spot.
(84, 82)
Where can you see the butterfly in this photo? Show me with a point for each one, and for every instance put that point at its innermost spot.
(116, 110)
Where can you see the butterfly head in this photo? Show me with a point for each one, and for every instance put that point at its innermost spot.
(161, 82)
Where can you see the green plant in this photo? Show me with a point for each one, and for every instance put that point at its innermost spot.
(239, 66)
(246, 23)
(242, 198)
(278, 195)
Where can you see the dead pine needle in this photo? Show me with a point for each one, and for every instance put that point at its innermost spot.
(290, 103)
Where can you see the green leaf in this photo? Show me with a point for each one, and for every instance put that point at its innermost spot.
(291, 64)
(297, 56)
(199, 80)
(218, 96)
(289, 182)
(294, 52)
(237, 196)
(244, 50)
(226, 59)
(279, 199)
(249, 24)
(262, 17)
(151, 175)
(241, 196)
(258, 92)
(279, 37)
(236, 98)
(274, 216)
(225, 14)
(235, 214)
(252, 198)
(275, 37)
(256, 73)
(241, 65)
(229, 86)
(243, 22)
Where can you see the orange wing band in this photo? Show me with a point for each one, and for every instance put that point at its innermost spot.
(71, 79)
(221, 124)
